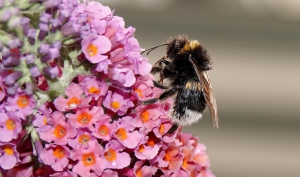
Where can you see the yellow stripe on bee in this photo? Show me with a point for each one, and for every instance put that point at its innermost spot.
(193, 44)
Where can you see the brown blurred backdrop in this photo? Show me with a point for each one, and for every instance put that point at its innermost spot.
(255, 46)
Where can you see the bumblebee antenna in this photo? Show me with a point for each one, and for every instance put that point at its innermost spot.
(152, 48)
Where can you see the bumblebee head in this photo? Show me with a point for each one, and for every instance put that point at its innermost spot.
(175, 45)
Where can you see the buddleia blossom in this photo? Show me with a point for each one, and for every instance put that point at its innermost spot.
(71, 82)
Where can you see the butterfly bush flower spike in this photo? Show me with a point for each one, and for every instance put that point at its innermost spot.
(71, 82)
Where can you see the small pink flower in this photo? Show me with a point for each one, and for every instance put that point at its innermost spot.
(60, 131)
(123, 76)
(56, 156)
(74, 93)
(104, 129)
(9, 156)
(148, 148)
(83, 138)
(85, 117)
(94, 48)
(114, 157)
(91, 86)
(40, 120)
(143, 170)
(125, 133)
(89, 158)
(10, 126)
(143, 87)
(21, 104)
(148, 116)
(117, 103)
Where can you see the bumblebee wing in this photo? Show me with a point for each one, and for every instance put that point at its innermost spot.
(208, 92)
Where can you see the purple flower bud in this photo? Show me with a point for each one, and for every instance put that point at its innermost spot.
(12, 89)
(25, 25)
(52, 72)
(29, 89)
(14, 43)
(29, 59)
(5, 52)
(44, 48)
(34, 71)
(53, 53)
(45, 17)
(31, 36)
(12, 78)
(5, 15)
(63, 15)
(44, 28)
(11, 61)
(55, 25)
(56, 44)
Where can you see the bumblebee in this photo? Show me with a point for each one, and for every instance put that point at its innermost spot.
(183, 72)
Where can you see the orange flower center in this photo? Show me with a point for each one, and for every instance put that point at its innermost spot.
(103, 130)
(139, 92)
(94, 90)
(45, 121)
(115, 105)
(84, 139)
(88, 159)
(139, 173)
(10, 124)
(59, 152)
(162, 129)
(8, 149)
(23, 101)
(59, 131)
(152, 140)
(92, 50)
(84, 118)
(110, 155)
(73, 102)
(141, 148)
(121, 134)
(145, 116)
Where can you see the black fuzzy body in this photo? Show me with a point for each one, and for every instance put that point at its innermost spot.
(178, 77)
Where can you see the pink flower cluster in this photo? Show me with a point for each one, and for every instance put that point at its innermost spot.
(97, 127)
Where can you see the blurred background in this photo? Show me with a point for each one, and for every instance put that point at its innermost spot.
(255, 46)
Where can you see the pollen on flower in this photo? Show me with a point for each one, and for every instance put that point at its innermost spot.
(139, 92)
(139, 173)
(59, 152)
(92, 50)
(84, 139)
(110, 155)
(10, 124)
(152, 140)
(115, 105)
(94, 90)
(162, 129)
(59, 131)
(8, 149)
(168, 156)
(121, 134)
(84, 118)
(73, 102)
(103, 130)
(23, 101)
(45, 121)
(88, 159)
(185, 164)
(145, 116)
(141, 148)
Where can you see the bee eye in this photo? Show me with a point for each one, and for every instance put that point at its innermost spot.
(176, 42)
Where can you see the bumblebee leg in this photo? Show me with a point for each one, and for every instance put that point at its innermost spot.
(173, 128)
(155, 70)
(163, 96)
(158, 85)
